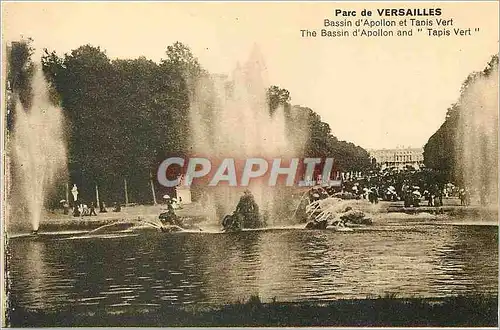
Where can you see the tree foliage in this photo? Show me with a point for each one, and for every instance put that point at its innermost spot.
(124, 116)
(320, 142)
(278, 97)
(444, 150)
(20, 70)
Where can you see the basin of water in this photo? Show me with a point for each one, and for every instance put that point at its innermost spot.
(131, 268)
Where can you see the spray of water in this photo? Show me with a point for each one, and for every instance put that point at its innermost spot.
(39, 148)
(477, 135)
(230, 118)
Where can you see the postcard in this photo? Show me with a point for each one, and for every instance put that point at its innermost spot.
(250, 164)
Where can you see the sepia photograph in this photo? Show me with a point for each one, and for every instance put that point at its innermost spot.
(249, 164)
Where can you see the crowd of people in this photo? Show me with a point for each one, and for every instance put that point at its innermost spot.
(80, 209)
(410, 186)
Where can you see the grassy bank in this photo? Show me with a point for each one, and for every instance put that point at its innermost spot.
(471, 311)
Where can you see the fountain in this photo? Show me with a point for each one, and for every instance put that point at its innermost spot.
(320, 210)
(477, 135)
(39, 151)
(230, 117)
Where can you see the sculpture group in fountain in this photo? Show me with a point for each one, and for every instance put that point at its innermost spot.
(324, 211)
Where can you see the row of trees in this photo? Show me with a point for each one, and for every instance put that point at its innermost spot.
(445, 150)
(320, 141)
(123, 117)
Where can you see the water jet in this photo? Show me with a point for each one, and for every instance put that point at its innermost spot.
(477, 135)
(39, 150)
(231, 118)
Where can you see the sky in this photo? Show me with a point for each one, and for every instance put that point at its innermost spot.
(374, 92)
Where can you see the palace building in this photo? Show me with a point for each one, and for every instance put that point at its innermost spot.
(398, 158)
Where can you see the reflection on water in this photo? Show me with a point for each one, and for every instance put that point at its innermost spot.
(289, 265)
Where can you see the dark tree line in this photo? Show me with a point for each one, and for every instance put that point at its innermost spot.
(124, 116)
(322, 143)
(443, 151)
(19, 74)
(319, 139)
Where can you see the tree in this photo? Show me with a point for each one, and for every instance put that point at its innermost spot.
(303, 123)
(20, 71)
(277, 97)
(444, 151)
(180, 57)
(125, 116)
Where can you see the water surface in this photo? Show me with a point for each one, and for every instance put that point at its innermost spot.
(149, 269)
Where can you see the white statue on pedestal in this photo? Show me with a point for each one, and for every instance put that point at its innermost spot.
(74, 191)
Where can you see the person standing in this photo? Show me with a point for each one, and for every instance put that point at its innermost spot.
(102, 207)
(440, 196)
(65, 207)
(92, 209)
(461, 195)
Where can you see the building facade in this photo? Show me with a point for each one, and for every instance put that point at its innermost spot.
(398, 158)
